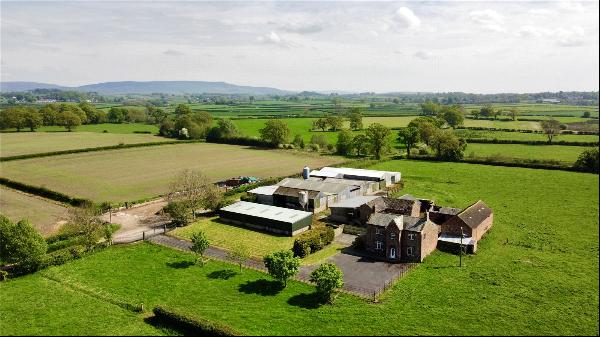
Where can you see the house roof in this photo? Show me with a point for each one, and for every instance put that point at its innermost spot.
(355, 202)
(349, 182)
(475, 214)
(314, 185)
(446, 210)
(382, 219)
(330, 171)
(267, 212)
(264, 190)
(408, 197)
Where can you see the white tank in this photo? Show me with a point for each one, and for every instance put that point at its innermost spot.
(303, 199)
(306, 172)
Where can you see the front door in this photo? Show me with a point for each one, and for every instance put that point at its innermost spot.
(392, 253)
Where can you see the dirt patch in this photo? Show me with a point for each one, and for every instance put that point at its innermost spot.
(138, 219)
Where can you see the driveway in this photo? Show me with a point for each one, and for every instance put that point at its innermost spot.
(137, 219)
(362, 275)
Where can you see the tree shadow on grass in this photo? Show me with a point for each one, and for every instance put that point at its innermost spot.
(180, 264)
(262, 287)
(224, 274)
(307, 301)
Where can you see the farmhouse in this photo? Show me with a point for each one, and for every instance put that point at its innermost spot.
(269, 218)
(399, 238)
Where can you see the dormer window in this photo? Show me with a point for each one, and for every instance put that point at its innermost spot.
(392, 236)
(411, 236)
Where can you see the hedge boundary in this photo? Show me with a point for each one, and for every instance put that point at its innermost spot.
(94, 149)
(45, 193)
(486, 161)
(528, 142)
(193, 325)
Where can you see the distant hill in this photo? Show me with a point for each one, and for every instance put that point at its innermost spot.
(25, 86)
(165, 87)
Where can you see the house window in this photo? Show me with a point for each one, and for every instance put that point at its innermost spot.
(409, 251)
(377, 231)
(392, 236)
(379, 245)
(411, 236)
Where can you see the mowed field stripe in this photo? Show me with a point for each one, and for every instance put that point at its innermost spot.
(136, 173)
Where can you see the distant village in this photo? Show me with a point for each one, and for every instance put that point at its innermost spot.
(404, 229)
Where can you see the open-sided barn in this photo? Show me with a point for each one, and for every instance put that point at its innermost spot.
(265, 217)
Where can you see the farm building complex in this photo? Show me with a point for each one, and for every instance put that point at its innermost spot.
(403, 229)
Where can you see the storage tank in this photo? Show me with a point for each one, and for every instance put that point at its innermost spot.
(306, 172)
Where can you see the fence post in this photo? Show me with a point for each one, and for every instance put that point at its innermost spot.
(143, 236)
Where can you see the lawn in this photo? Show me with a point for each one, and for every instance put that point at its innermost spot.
(228, 236)
(34, 305)
(20, 143)
(41, 213)
(136, 173)
(564, 154)
(536, 271)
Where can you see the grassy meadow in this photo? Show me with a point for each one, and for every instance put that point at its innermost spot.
(41, 213)
(137, 173)
(34, 305)
(564, 154)
(522, 136)
(536, 271)
(20, 143)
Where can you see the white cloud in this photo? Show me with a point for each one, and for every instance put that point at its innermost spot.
(571, 6)
(423, 55)
(274, 39)
(173, 52)
(564, 37)
(302, 27)
(488, 19)
(405, 18)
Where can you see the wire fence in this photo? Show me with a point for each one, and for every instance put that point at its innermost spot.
(144, 235)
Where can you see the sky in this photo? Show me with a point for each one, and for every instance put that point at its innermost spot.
(433, 46)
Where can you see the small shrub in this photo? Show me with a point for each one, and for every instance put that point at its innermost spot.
(359, 243)
(301, 248)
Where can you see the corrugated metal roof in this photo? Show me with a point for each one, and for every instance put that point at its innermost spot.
(268, 212)
(264, 190)
(314, 185)
(334, 172)
(355, 202)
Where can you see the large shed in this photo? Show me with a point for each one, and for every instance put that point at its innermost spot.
(265, 217)
(385, 178)
(264, 194)
(320, 193)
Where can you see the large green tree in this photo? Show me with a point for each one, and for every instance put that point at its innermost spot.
(379, 139)
(344, 143)
(183, 109)
(21, 243)
(355, 117)
(275, 132)
(452, 115)
(551, 128)
(328, 279)
(70, 120)
(447, 145)
(282, 265)
(588, 160)
(409, 136)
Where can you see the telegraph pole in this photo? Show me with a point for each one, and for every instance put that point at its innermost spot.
(461, 247)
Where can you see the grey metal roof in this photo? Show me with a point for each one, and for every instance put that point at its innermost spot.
(314, 185)
(268, 212)
(354, 202)
(350, 182)
(294, 192)
(264, 190)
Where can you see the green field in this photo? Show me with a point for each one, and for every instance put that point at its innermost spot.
(110, 128)
(41, 213)
(522, 136)
(564, 154)
(20, 143)
(537, 109)
(536, 271)
(34, 305)
(136, 173)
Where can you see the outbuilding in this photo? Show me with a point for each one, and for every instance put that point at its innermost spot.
(274, 219)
